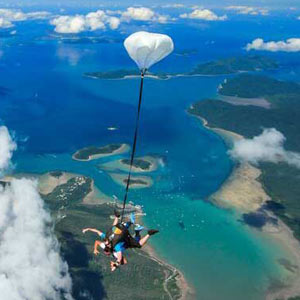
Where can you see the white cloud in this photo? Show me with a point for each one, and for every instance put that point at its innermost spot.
(30, 263)
(266, 147)
(9, 16)
(12, 15)
(38, 15)
(100, 19)
(68, 24)
(114, 22)
(7, 147)
(92, 21)
(143, 14)
(5, 23)
(290, 45)
(138, 13)
(248, 10)
(203, 14)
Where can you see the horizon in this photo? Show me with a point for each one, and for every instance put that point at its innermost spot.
(271, 4)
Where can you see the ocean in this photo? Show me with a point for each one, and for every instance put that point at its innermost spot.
(54, 110)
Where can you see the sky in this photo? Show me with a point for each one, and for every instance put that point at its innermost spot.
(208, 3)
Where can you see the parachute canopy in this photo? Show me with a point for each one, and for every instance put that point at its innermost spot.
(147, 48)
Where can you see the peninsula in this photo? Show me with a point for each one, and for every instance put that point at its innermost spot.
(65, 195)
(267, 194)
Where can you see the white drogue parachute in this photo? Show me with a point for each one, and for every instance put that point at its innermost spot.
(147, 48)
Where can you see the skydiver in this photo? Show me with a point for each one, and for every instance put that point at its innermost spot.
(118, 239)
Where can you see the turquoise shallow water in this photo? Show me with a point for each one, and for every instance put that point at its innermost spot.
(214, 249)
(54, 111)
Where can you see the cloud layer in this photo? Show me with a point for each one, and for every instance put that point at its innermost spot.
(101, 19)
(30, 263)
(143, 14)
(266, 147)
(90, 22)
(7, 146)
(9, 16)
(290, 45)
(203, 14)
(248, 10)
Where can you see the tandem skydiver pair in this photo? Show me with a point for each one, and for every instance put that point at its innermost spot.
(118, 238)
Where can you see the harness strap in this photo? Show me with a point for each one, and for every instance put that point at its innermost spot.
(134, 144)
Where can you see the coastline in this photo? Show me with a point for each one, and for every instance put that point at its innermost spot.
(123, 149)
(187, 292)
(245, 178)
(172, 274)
(168, 77)
(284, 236)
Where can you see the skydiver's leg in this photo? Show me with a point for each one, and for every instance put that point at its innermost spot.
(124, 261)
(145, 239)
(138, 228)
(116, 264)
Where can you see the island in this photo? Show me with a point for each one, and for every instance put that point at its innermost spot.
(136, 182)
(267, 194)
(140, 165)
(233, 65)
(248, 63)
(146, 274)
(89, 40)
(94, 152)
(123, 74)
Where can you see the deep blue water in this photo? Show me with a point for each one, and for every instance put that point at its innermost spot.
(53, 110)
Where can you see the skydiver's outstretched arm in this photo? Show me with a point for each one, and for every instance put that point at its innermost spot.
(100, 233)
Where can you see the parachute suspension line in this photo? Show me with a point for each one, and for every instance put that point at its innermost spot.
(134, 143)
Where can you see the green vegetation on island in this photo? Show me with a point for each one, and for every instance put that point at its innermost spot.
(233, 65)
(121, 74)
(230, 65)
(143, 278)
(65, 194)
(281, 181)
(138, 163)
(95, 152)
(254, 86)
